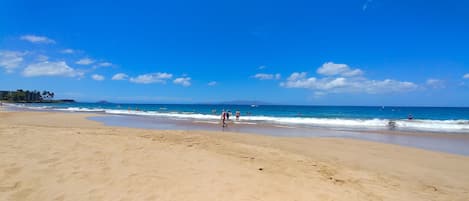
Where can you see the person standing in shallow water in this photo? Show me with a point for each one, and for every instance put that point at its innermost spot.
(223, 118)
(238, 113)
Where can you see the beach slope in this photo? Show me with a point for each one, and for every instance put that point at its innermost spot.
(63, 156)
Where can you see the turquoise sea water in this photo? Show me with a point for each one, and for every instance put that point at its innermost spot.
(438, 119)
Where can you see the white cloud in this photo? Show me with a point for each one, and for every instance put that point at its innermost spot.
(151, 78)
(120, 76)
(67, 51)
(10, 60)
(105, 64)
(184, 81)
(346, 85)
(264, 76)
(97, 77)
(299, 80)
(296, 76)
(50, 69)
(85, 61)
(330, 69)
(37, 39)
(212, 83)
(435, 83)
(466, 76)
(262, 67)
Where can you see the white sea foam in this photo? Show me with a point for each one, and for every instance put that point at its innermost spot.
(79, 109)
(426, 125)
(17, 105)
(174, 115)
(38, 108)
(435, 125)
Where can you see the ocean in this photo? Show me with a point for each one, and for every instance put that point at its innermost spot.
(427, 119)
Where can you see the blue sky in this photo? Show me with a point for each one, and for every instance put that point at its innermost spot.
(355, 52)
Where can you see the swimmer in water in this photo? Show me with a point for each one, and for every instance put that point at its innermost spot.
(410, 117)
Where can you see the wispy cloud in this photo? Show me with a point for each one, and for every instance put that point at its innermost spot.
(67, 51)
(212, 83)
(184, 81)
(264, 76)
(104, 64)
(319, 94)
(38, 63)
(42, 58)
(97, 77)
(261, 67)
(338, 79)
(51, 69)
(85, 61)
(435, 83)
(151, 78)
(37, 39)
(366, 4)
(120, 76)
(11, 60)
(466, 76)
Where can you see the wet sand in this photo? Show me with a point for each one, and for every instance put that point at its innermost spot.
(64, 156)
(443, 142)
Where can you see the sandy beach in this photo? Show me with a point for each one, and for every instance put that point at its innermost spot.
(64, 156)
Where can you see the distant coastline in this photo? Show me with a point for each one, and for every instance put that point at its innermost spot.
(34, 96)
(44, 101)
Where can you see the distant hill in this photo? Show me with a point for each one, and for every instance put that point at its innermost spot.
(104, 102)
(244, 102)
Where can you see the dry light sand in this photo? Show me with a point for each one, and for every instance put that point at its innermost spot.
(59, 156)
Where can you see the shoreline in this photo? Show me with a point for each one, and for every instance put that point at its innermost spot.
(454, 143)
(381, 121)
(64, 156)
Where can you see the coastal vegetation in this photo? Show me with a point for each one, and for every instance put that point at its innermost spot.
(27, 96)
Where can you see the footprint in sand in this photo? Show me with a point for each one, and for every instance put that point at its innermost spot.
(12, 187)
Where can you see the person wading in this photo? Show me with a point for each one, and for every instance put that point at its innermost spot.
(223, 118)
